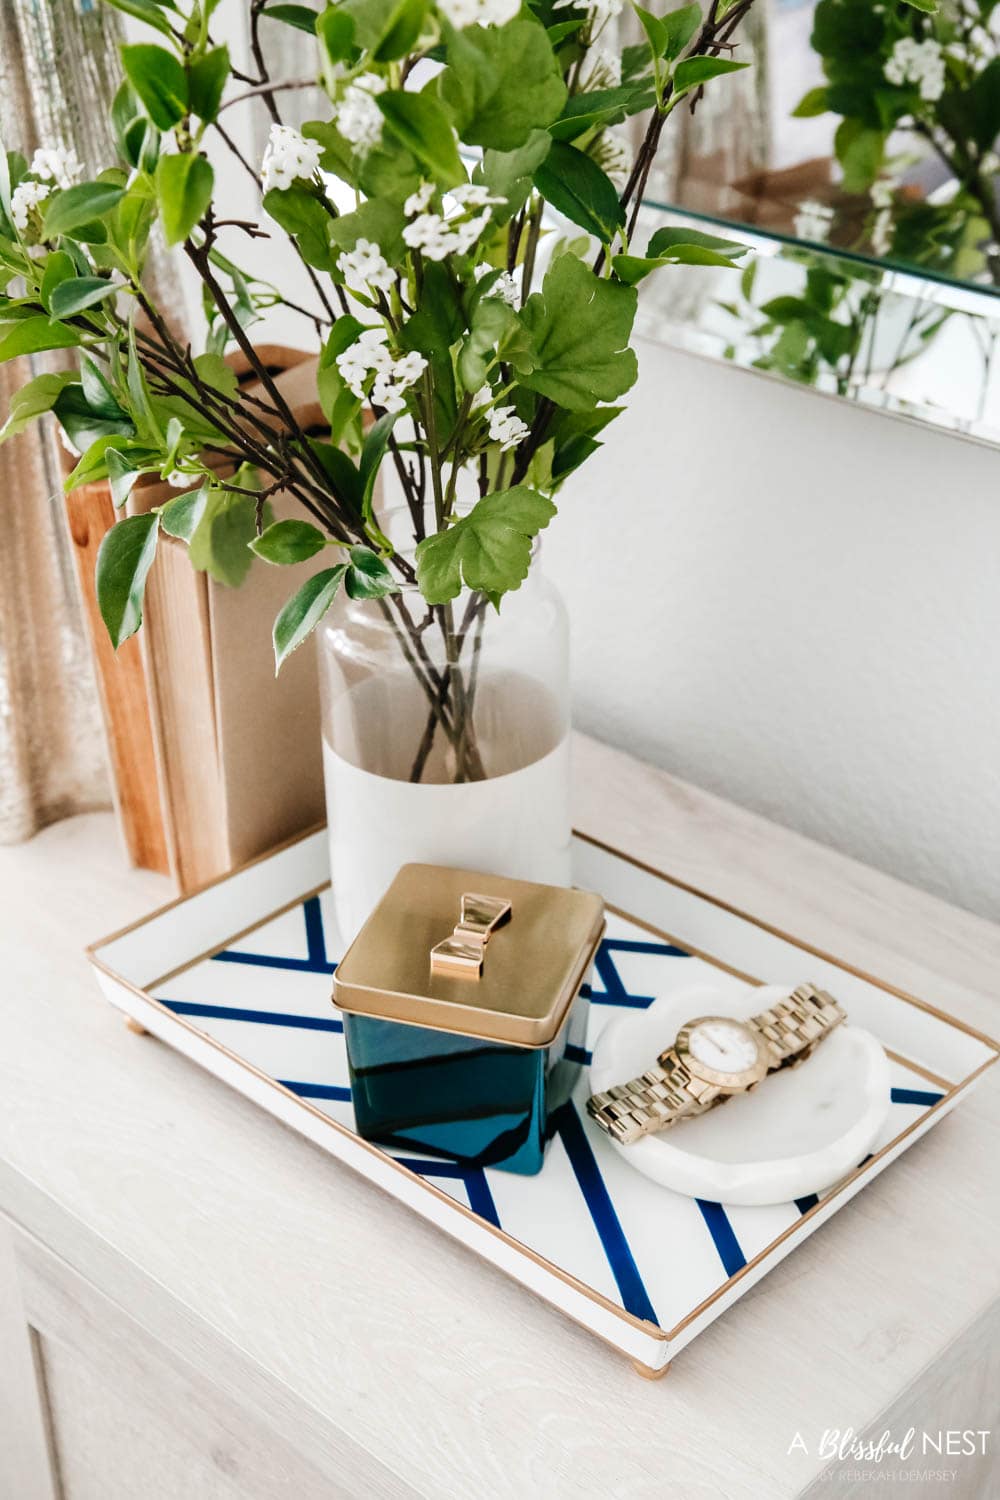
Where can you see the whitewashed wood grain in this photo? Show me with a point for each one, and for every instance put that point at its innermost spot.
(263, 1264)
(27, 1467)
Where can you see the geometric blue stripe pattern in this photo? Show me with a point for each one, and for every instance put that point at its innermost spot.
(473, 1179)
(318, 1071)
(316, 962)
(614, 992)
(317, 1090)
(260, 1017)
(915, 1096)
(565, 1123)
(723, 1236)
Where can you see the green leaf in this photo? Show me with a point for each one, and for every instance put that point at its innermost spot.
(378, 220)
(207, 77)
(680, 26)
(339, 404)
(76, 207)
(82, 425)
(860, 151)
(929, 7)
(304, 611)
(213, 371)
(600, 107)
(122, 475)
(387, 29)
(491, 321)
(814, 102)
(694, 71)
(420, 123)
(144, 10)
(59, 267)
(160, 82)
(375, 444)
(656, 31)
(33, 334)
(983, 102)
(433, 330)
(580, 328)
(220, 545)
(489, 549)
(575, 186)
(299, 212)
(787, 309)
(666, 242)
(32, 400)
(182, 517)
(367, 576)
(343, 475)
(299, 16)
(129, 123)
(91, 467)
(97, 392)
(71, 297)
(510, 174)
(183, 191)
(501, 83)
(123, 562)
(290, 541)
(335, 29)
(678, 247)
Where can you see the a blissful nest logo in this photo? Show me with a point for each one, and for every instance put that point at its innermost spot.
(925, 1453)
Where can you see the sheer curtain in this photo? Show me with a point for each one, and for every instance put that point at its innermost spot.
(59, 72)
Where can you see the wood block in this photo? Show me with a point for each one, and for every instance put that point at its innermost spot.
(121, 682)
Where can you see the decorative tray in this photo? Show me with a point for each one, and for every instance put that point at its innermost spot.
(237, 977)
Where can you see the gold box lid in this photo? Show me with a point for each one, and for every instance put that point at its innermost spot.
(479, 955)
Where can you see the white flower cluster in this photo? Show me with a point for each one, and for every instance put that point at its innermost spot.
(614, 155)
(462, 13)
(53, 164)
(505, 426)
(26, 196)
(288, 156)
(393, 375)
(813, 220)
(505, 287)
(366, 267)
(916, 62)
(358, 117)
(599, 12)
(600, 69)
(438, 235)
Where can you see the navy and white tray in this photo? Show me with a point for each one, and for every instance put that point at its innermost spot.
(237, 977)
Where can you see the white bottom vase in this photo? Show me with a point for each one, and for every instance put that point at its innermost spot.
(517, 824)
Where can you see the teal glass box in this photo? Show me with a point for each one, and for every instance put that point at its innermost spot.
(463, 1017)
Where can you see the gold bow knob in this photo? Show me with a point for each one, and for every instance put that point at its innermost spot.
(462, 955)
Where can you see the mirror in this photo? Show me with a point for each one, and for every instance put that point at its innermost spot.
(857, 157)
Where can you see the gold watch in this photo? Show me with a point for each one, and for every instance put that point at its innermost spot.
(712, 1059)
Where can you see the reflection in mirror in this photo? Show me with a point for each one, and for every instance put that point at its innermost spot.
(858, 157)
(841, 325)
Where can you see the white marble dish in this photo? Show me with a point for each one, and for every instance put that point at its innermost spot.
(796, 1134)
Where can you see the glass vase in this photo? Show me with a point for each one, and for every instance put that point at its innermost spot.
(445, 739)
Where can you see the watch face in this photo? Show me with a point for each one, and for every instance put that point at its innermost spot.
(724, 1046)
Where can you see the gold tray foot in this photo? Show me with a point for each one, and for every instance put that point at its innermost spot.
(647, 1373)
(136, 1027)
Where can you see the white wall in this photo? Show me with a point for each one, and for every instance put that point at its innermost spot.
(796, 603)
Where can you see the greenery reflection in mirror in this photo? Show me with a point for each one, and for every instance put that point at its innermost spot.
(862, 153)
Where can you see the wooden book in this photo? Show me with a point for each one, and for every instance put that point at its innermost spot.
(214, 758)
(122, 687)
